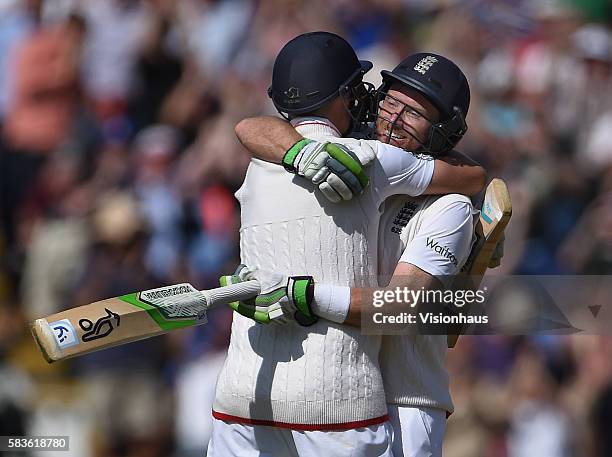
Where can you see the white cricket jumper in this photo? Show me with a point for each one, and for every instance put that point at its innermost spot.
(325, 376)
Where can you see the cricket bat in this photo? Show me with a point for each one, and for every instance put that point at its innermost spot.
(131, 317)
(494, 217)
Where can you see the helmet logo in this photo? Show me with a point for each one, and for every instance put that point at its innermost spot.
(425, 64)
(292, 92)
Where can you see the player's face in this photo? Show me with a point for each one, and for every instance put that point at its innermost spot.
(404, 118)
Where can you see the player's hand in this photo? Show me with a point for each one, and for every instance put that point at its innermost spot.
(268, 305)
(335, 169)
(280, 300)
(498, 254)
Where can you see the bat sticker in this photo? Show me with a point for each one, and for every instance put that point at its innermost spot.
(181, 301)
(489, 212)
(64, 333)
(102, 328)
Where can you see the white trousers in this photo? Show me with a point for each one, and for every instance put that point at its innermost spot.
(232, 439)
(417, 432)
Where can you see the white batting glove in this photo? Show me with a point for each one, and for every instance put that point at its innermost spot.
(281, 299)
(335, 169)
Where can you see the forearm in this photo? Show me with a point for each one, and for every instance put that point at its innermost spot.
(332, 305)
(458, 158)
(266, 137)
(353, 317)
(457, 173)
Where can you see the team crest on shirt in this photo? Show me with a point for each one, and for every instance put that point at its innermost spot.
(403, 216)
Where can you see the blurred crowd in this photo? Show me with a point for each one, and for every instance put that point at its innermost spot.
(118, 164)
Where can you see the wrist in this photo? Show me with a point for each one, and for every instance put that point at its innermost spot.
(331, 302)
(300, 291)
(292, 153)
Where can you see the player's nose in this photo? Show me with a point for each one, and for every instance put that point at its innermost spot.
(394, 116)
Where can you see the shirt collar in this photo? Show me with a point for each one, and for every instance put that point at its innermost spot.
(315, 126)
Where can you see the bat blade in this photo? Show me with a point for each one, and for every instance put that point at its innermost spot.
(119, 320)
(494, 217)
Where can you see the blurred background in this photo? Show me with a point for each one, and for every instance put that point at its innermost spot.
(118, 165)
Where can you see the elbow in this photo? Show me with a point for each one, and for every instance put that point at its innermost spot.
(478, 182)
(241, 130)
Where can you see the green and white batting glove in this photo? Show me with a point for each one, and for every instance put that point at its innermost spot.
(282, 298)
(334, 168)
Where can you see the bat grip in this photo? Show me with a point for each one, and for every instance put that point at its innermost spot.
(232, 292)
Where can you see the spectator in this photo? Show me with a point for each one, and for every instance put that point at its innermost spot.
(119, 161)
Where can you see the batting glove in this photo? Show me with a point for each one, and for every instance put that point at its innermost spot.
(281, 299)
(335, 169)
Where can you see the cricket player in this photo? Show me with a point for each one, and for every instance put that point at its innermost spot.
(422, 241)
(314, 387)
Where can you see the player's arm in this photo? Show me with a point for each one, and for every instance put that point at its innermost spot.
(457, 173)
(421, 266)
(267, 137)
(299, 298)
(337, 171)
(398, 172)
(405, 275)
(274, 140)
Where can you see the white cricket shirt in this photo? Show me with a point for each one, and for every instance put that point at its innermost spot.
(434, 233)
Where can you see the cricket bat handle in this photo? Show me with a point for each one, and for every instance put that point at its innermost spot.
(232, 292)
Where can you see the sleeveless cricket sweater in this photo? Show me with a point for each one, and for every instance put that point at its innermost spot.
(325, 376)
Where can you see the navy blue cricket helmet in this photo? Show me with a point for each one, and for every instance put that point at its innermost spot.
(443, 83)
(311, 70)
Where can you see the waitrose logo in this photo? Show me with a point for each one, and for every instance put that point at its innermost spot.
(442, 250)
